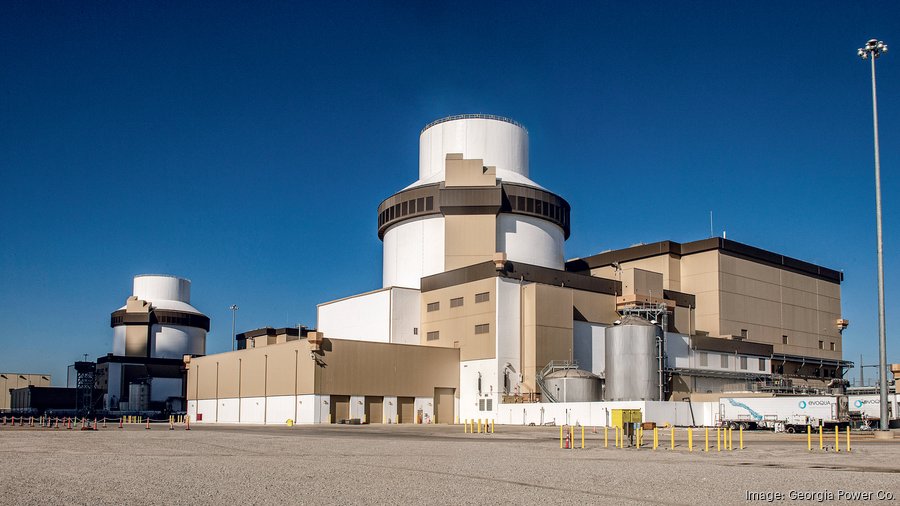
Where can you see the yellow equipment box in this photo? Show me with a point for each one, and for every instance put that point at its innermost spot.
(623, 417)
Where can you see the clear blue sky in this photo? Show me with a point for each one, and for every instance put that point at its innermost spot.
(215, 142)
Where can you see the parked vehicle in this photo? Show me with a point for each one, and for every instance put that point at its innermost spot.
(788, 414)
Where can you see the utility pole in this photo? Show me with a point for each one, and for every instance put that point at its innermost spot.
(233, 309)
(872, 50)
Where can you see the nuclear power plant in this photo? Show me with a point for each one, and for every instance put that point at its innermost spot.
(480, 315)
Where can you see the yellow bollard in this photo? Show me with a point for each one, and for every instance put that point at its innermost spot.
(848, 438)
(837, 438)
(821, 441)
(492, 426)
(606, 436)
(616, 430)
(572, 437)
(718, 439)
(655, 438)
(479, 425)
(730, 439)
(560, 437)
(706, 447)
(742, 438)
(672, 436)
(809, 438)
(582, 437)
(466, 427)
(690, 439)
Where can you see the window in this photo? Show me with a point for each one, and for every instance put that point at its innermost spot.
(457, 302)
(420, 204)
(762, 364)
(704, 359)
(415, 331)
(821, 345)
(429, 203)
(744, 333)
(784, 340)
(725, 361)
(832, 347)
(433, 306)
(433, 336)
(485, 404)
(484, 328)
(482, 297)
(744, 363)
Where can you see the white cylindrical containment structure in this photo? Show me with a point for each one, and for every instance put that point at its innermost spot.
(631, 360)
(531, 224)
(500, 142)
(158, 321)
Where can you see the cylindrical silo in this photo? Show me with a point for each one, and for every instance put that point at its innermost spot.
(631, 360)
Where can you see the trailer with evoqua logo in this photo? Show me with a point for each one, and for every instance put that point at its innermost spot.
(787, 414)
(869, 406)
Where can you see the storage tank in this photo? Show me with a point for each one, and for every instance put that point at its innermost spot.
(631, 360)
(574, 385)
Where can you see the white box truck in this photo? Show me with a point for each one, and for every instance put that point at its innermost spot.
(790, 414)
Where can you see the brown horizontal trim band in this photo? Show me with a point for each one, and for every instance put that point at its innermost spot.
(719, 344)
(159, 317)
(681, 299)
(508, 198)
(271, 331)
(109, 358)
(725, 246)
(526, 272)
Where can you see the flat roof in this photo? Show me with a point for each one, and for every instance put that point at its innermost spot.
(725, 246)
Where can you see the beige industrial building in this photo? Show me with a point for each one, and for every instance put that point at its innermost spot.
(481, 317)
(12, 381)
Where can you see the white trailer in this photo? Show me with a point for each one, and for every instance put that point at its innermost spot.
(783, 413)
(870, 405)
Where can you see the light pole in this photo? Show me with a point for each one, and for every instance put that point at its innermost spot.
(874, 48)
(233, 309)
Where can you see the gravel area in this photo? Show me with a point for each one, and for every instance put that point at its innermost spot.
(393, 464)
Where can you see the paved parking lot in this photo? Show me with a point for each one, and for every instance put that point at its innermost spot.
(391, 464)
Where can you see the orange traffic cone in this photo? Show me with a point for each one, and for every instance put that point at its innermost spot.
(95, 424)
(121, 419)
(171, 424)
(187, 423)
(148, 424)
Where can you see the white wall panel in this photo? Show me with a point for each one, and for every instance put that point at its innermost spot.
(507, 300)
(228, 410)
(390, 410)
(413, 249)
(175, 341)
(361, 318)
(280, 408)
(405, 315)
(530, 240)
(589, 345)
(206, 408)
(468, 388)
(253, 410)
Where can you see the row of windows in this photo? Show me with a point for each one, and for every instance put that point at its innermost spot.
(434, 335)
(537, 206)
(413, 206)
(822, 346)
(725, 363)
(458, 302)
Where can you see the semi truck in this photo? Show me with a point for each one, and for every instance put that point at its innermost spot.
(784, 414)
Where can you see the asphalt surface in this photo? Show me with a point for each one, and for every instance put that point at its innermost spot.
(391, 464)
